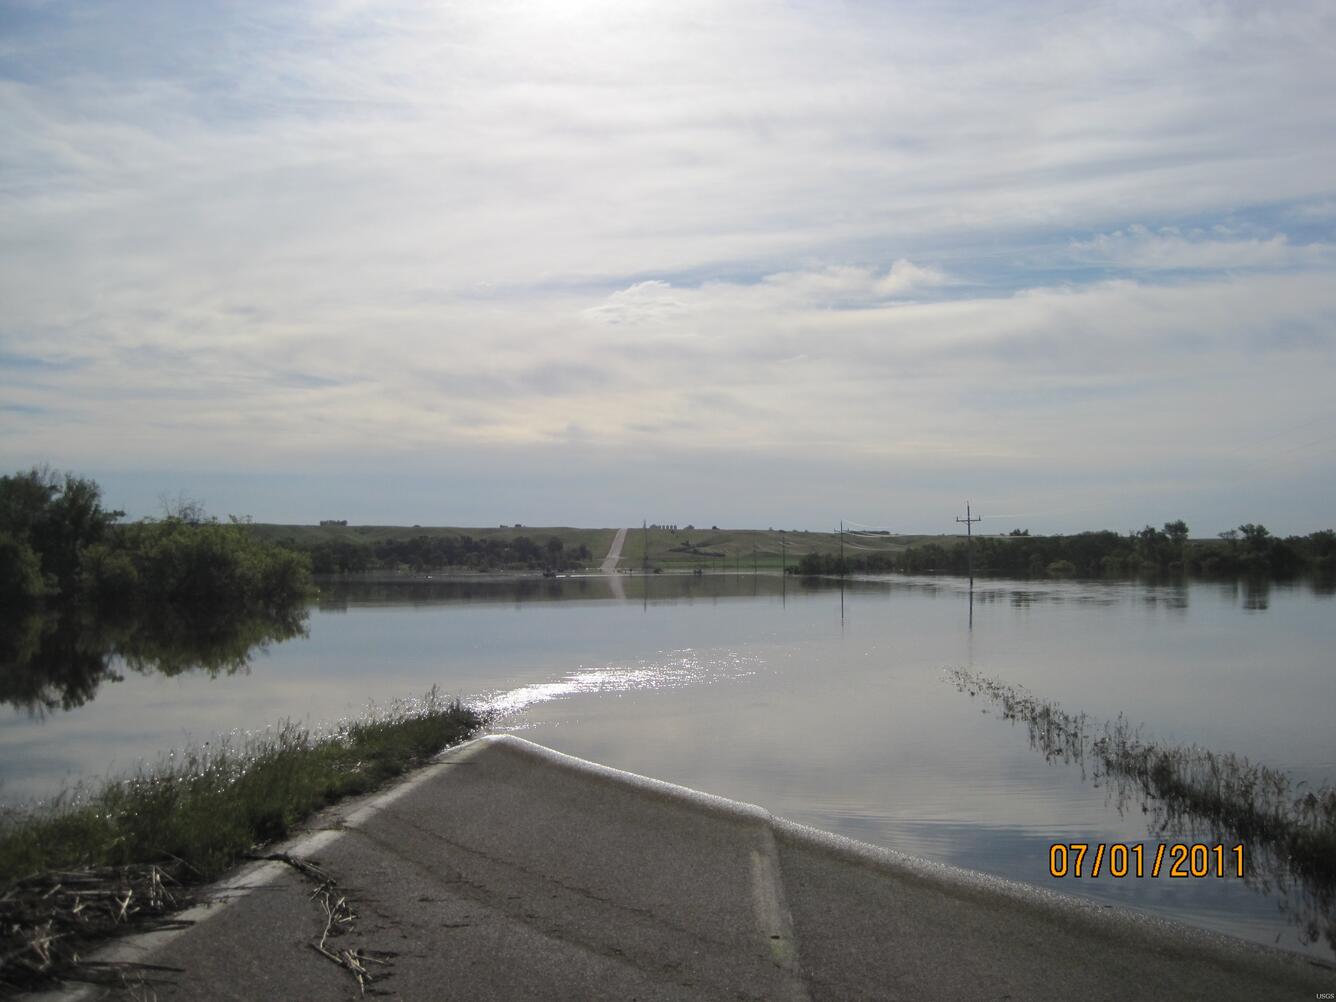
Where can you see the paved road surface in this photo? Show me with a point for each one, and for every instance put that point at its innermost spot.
(510, 872)
(609, 565)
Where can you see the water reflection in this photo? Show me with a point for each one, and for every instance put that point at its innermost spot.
(674, 670)
(339, 594)
(747, 685)
(1193, 795)
(1257, 594)
(57, 663)
(49, 665)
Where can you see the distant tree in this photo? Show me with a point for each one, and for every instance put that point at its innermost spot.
(1255, 537)
(183, 508)
(1176, 531)
(1174, 555)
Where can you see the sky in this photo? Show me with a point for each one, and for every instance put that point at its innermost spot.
(735, 263)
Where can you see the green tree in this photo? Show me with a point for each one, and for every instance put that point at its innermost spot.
(1255, 537)
(58, 517)
(1177, 532)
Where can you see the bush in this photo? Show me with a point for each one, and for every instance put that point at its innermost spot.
(212, 564)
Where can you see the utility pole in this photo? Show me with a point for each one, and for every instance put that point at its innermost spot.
(644, 539)
(969, 541)
(841, 549)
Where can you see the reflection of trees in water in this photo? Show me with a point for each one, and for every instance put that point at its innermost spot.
(341, 593)
(1288, 833)
(50, 663)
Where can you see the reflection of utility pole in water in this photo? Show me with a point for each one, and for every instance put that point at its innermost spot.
(842, 573)
(969, 635)
(644, 566)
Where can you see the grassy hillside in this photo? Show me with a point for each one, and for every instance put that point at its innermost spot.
(597, 540)
(681, 549)
(728, 549)
(670, 549)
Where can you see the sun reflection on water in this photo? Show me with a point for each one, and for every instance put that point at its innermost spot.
(667, 670)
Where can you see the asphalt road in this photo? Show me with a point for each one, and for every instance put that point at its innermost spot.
(510, 872)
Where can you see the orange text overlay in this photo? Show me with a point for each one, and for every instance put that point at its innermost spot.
(1119, 859)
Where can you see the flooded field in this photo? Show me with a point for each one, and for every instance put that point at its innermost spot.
(850, 709)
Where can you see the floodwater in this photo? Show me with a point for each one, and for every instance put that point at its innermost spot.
(830, 706)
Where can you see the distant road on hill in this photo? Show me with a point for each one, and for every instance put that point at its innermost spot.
(609, 565)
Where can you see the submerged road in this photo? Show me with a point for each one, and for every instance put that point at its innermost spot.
(609, 565)
(508, 871)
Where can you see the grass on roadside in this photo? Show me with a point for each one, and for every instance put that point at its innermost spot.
(186, 821)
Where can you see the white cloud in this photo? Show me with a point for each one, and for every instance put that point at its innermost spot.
(657, 303)
(852, 285)
(1167, 249)
(266, 234)
(652, 302)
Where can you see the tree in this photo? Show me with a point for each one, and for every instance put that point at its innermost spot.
(1255, 537)
(1177, 532)
(183, 508)
(57, 516)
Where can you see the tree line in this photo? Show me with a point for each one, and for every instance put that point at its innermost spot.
(60, 549)
(1248, 550)
(424, 553)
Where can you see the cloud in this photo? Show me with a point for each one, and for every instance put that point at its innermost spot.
(271, 237)
(853, 285)
(657, 303)
(1139, 248)
(652, 302)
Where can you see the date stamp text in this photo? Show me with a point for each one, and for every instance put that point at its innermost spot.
(1121, 859)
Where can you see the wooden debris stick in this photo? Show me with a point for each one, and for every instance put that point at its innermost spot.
(339, 919)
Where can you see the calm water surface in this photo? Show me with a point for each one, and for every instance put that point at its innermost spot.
(828, 706)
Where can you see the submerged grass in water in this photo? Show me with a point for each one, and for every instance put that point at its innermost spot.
(190, 818)
(1287, 831)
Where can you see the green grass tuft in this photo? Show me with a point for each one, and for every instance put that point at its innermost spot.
(198, 813)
